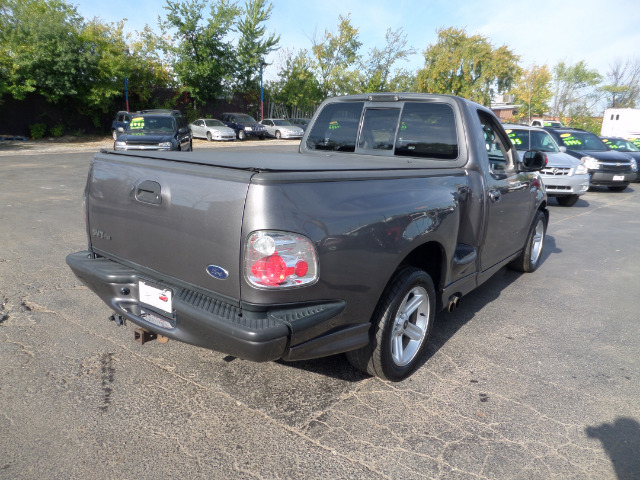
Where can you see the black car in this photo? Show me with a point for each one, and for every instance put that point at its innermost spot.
(607, 167)
(155, 130)
(244, 125)
(123, 118)
(626, 146)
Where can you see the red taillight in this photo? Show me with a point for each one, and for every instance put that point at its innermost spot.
(270, 271)
(301, 268)
(276, 259)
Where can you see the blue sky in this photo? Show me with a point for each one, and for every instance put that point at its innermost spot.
(541, 32)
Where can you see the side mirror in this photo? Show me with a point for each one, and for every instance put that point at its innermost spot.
(563, 149)
(533, 161)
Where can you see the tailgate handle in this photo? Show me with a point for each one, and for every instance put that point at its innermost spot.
(149, 192)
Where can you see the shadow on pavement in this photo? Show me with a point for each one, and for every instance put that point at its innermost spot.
(621, 441)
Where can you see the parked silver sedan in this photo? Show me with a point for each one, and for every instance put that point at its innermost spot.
(211, 129)
(565, 177)
(281, 128)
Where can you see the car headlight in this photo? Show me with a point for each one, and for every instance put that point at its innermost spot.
(634, 165)
(591, 163)
(581, 169)
(165, 145)
(119, 145)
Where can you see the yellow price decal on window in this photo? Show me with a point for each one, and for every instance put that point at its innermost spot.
(136, 123)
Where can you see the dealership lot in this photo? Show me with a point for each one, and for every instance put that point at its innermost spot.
(534, 376)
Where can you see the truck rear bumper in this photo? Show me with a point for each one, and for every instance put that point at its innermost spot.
(204, 321)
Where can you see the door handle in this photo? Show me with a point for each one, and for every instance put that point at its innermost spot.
(149, 192)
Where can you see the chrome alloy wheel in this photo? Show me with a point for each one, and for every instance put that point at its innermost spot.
(410, 326)
(537, 242)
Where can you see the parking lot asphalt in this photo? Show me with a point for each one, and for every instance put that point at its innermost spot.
(534, 376)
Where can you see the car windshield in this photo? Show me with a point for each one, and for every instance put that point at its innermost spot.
(281, 122)
(245, 119)
(620, 145)
(532, 140)
(583, 141)
(213, 123)
(635, 141)
(151, 124)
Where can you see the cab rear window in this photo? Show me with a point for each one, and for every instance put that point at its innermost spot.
(416, 129)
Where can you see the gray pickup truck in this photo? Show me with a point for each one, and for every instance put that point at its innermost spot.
(395, 206)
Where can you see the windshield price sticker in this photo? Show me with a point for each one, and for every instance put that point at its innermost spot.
(160, 298)
(137, 123)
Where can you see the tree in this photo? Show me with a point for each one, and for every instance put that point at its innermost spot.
(42, 50)
(574, 89)
(377, 68)
(253, 45)
(467, 66)
(533, 92)
(335, 56)
(623, 84)
(298, 85)
(201, 54)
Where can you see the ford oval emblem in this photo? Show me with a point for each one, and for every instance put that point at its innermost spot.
(217, 272)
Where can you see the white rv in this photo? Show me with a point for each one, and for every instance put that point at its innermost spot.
(621, 122)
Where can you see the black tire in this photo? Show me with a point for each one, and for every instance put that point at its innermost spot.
(402, 323)
(191, 145)
(209, 137)
(531, 256)
(261, 137)
(567, 200)
(618, 188)
(278, 134)
(241, 135)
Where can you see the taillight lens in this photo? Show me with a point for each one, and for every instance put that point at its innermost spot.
(276, 259)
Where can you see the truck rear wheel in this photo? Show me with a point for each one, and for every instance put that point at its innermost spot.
(530, 258)
(402, 322)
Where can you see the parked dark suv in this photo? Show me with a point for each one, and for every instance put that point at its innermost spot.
(244, 125)
(155, 130)
(123, 118)
(607, 167)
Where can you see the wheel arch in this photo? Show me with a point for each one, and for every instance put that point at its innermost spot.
(431, 258)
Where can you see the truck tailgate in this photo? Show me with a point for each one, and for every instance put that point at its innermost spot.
(180, 219)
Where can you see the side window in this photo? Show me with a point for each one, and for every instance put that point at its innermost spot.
(336, 127)
(496, 146)
(427, 130)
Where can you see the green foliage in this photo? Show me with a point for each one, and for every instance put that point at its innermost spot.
(377, 68)
(201, 53)
(532, 91)
(298, 85)
(622, 89)
(41, 39)
(253, 47)
(574, 89)
(37, 130)
(467, 66)
(57, 130)
(47, 49)
(336, 57)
